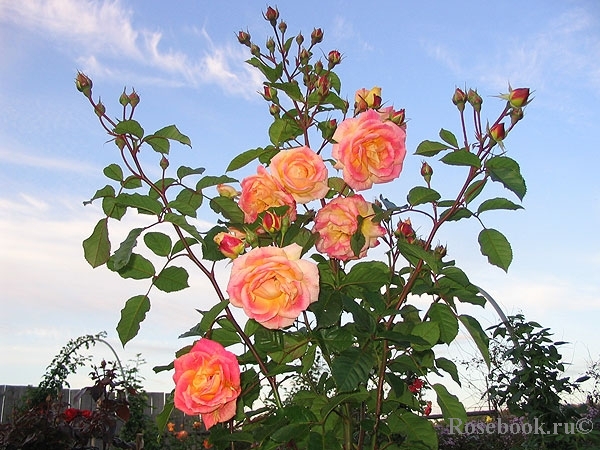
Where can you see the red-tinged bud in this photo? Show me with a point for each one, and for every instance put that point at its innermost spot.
(229, 245)
(497, 132)
(164, 163)
(459, 99)
(225, 190)
(427, 409)
(270, 93)
(124, 99)
(134, 99)
(416, 386)
(244, 38)
(329, 128)
(516, 114)
(304, 56)
(83, 84)
(274, 110)
(518, 97)
(272, 14)
(398, 117)
(426, 172)
(323, 85)
(299, 39)
(334, 57)
(474, 99)
(319, 67)
(364, 99)
(439, 251)
(120, 141)
(270, 44)
(271, 222)
(255, 50)
(406, 231)
(99, 109)
(316, 36)
(282, 27)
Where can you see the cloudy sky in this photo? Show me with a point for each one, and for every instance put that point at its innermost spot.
(187, 66)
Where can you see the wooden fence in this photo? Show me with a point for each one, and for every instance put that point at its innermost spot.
(11, 397)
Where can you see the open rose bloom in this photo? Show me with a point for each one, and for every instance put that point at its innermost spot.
(337, 221)
(207, 382)
(369, 150)
(273, 285)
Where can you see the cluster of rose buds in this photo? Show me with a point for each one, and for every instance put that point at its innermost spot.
(416, 386)
(405, 231)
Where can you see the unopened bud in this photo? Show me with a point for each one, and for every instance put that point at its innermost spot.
(316, 36)
(304, 56)
(364, 99)
(99, 109)
(474, 99)
(229, 245)
(459, 99)
(244, 38)
(83, 84)
(225, 190)
(282, 27)
(319, 67)
(274, 110)
(270, 93)
(134, 99)
(497, 132)
(334, 57)
(516, 114)
(517, 98)
(272, 14)
(323, 84)
(270, 44)
(426, 172)
(271, 222)
(124, 99)
(439, 251)
(255, 50)
(398, 117)
(164, 163)
(406, 231)
(299, 39)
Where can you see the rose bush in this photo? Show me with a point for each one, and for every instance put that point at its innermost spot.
(320, 315)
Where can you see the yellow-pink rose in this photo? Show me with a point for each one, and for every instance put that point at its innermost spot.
(369, 150)
(337, 221)
(261, 192)
(301, 172)
(207, 382)
(273, 285)
(364, 99)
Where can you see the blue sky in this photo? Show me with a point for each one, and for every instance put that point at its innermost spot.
(187, 66)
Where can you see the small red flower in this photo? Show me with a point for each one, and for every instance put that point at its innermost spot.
(416, 386)
(86, 413)
(70, 414)
(427, 410)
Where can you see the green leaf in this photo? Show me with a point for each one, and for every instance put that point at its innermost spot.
(431, 148)
(429, 331)
(370, 274)
(474, 190)
(111, 209)
(420, 194)
(172, 133)
(180, 245)
(418, 431)
(132, 314)
(114, 172)
(131, 182)
(159, 243)
(283, 130)
(497, 203)
(228, 208)
(272, 73)
(184, 171)
(138, 268)
(187, 202)
(448, 366)
(106, 191)
(507, 171)
(96, 248)
(213, 181)
(458, 214)
(139, 201)
(172, 279)
(209, 317)
(496, 247)
(163, 418)
(121, 256)
(158, 144)
(449, 138)
(130, 127)
(340, 399)
(461, 158)
(481, 339)
(450, 404)
(414, 252)
(244, 158)
(351, 368)
(291, 89)
(180, 221)
(441, 314)
(358, 240)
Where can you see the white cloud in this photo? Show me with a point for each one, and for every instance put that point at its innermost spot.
(102, 36)
(23, 158)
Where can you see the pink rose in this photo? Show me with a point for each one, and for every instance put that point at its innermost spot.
(261, 192)
(369, 150)
(301, 172)
(337, 221)
(273, 285)
(207, 382)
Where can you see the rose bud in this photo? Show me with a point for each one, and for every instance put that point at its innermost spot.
(459, 99)
(497, 132)
(83, 84)
(426, 172)
(229, 245)
(124, 99)
(334, 57)
(518, 97)
(271, 222)
(134, 99)
(270, 93)
(474, 99)
(99, 109)
(272, 14)
(282, 27)
(244, 38)
(274, 110)
(225, 190)
(323, 84)
(406, 231)
(516, 114)
(316, 36)
(270, 44)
